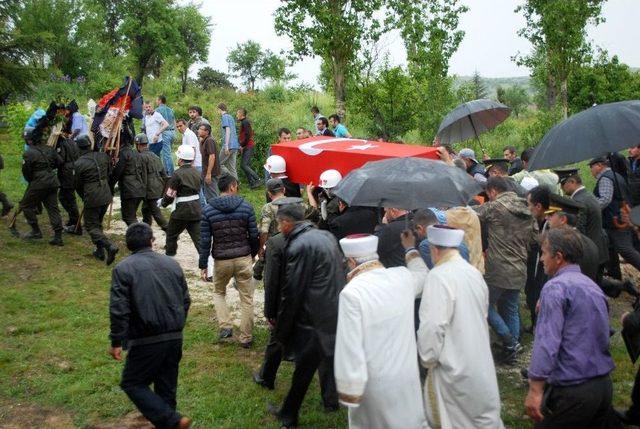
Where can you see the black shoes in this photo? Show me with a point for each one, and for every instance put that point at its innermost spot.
(71, 229)
(627, 418)
(112, 250)
(34, 234)
(225, 333)
(629, 288)
(285, 423)
(261, 382)
(57, 239)
(6, 209)
(98, 253)
(508, 355)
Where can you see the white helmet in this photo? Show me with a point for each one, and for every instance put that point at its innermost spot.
(275, 164)
(330, 178)
(186, 153)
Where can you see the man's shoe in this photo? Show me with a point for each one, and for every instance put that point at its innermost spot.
(71, 229)
(225, 333)
(246, 345)
(57, 239)
(261, 382)
(112, 250)
(184, 423)
(508, 356)
(524, 372)
(14, 231)
(98, 253)
(275, 411)
(626, 417)
(34, 234)
(629, 288)
(209, 280)
(6, 209)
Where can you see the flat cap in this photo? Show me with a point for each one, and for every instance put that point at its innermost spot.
(273, 185)
(600, 159)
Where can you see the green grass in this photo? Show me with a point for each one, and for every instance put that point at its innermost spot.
(53, 342)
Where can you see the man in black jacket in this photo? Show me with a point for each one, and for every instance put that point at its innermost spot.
(148, 309)
(353, 220)
(68, 151)
(128, 174)
(155, 176)
(390, 247)
(308, 312)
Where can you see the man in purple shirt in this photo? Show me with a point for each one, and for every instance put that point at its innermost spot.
(569, 383)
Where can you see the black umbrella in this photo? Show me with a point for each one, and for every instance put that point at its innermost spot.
(407, 183)
(594, 132)
(471, 119)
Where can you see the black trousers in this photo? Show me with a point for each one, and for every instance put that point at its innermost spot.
(245, 164)
(634, 409)
(49, 199)
(67, 198)
(175, 228)
(129, 209)
(150, 210)
(308, 360)
(4, 200)
(93, 217)
(621, 242)
(584, 406)
(271, 362)
(155, 364)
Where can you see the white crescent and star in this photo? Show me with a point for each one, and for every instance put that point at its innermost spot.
(311, 149)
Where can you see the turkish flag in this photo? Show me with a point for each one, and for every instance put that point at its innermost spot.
(308, 158)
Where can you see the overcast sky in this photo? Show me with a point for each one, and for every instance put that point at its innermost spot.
(489, 43)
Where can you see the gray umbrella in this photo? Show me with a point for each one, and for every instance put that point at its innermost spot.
(407, 183)
(471, 119)
(594, 132)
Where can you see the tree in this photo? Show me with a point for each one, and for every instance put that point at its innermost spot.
(334, 30)
(209, 78)
(478, 86)
(250, 63)
(194, 32)
(515, 97)
(557, 31)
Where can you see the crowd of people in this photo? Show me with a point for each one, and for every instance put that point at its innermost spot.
(393, 308)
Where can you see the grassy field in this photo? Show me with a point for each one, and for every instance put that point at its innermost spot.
(53, 342)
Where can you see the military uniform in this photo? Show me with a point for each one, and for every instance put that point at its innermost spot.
(38, 168)
(68, 151)
(155, 178)
(268, 225)
(128, 173)
(6, 204)
(185, 183)
(92, 183)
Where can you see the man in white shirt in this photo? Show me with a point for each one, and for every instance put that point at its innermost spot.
(153, 124)
(461, 390)
(375, 363)
(189, 138)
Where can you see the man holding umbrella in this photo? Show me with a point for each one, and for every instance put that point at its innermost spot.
(474, 168)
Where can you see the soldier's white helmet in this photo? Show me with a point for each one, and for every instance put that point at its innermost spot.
(186, 153)
(275, 164)
(330, 178)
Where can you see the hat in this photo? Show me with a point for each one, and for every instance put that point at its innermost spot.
(529, 183)
(186, 153)
(72, 106)
(489, 163)
(600, 159)
(558, 203)
(288, 200)
(565, 173)
(635, 215)
(83, 141)
(445, 236)
(274, 185)
(359, 245)
(468, 153)
(141, 139)
(291, 207)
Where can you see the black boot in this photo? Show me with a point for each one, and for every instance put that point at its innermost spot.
(629, 288)
(6, 205)
(57, 239)
(34, 234)
(71, 229)
(99, 252)
(112, 250)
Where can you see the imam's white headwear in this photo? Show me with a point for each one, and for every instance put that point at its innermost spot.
(529, 183)
(359, 245)
(445, 236)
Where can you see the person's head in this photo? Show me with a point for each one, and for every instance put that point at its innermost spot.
(288, 216)
(496, 186)
(559, 219)
(560, 247)
(329, 179)
(301, 133)
(423, 219)
(142, 142)
(275, 188)
(241, 113)
(228, 184)
(275, 164)
(139, 236)
(308, 134)
(460, 163)
(222, 108)
(334, 120)
(499, 169)
(284, 135)
(443, 239)
(392, 213)
(161, 100)
(509, 152)
(322, 124)
(359, 249)
(315, 111)
(195, 112)
(204, 131)
(181, 125)
(598, 165)
(148, 108)
(185, 154)
(526, 155)
(634, 152)
(83, 142)
(538, 202)
(468, 156)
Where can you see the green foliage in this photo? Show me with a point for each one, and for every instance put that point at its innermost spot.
(249, 62)
(515, 97)
(16, 115)
(543, 122)
(209, 78)
(478, 86)
(193, 28)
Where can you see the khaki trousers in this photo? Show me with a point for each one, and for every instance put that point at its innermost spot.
(240, 269)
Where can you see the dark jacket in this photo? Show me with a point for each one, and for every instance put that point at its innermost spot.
(39, 167)
(154, 174)
(290, 189)
(633, 180)
(327, 132)
(354, 220)
(273, 271)
(229, 222)
(314, 276)
(69, 152)
(589, 262)
(128, 174)
(590, 222)
(185, 181)
(515, 167)
(390, 248)
(620, 195)
(245, 136)
(149, 299)
(92, 178)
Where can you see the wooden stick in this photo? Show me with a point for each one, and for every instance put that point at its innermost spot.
(110, 212)
(79, 220)
(12, 224)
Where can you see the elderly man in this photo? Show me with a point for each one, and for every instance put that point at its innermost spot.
(569, 383)
(376, 370)
(453, 340)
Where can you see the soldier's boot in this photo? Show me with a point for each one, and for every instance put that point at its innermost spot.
(71, 229)
(6, 205)
(112, 250)
(34, 234)
(99, 252)
(57, 239)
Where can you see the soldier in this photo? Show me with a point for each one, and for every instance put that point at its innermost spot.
(38, 168)
(323, 199)
(92, 183)
(155, 178)
(183, 187)
(268, 226)
(68, 151)
(128, 173)
(6, 204)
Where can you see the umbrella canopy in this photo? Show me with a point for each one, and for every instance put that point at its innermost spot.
(471, 119)
(407, 183)
(594, 132)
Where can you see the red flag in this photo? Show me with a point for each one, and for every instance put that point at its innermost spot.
(308, 158)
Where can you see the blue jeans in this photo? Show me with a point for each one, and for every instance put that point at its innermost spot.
(167, 140)
(504, 314)
(156, 148)
(203, 202)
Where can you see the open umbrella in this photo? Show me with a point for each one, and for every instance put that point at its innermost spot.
(471, 119)
(594, 132)
(407, 183)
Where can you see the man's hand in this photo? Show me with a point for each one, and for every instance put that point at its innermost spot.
(484, 155)
(533, 402)
(155, 138)
(203, 274)
(444, 155)
(408, 239)
(226, 151)
(116, 353)
(207, 179)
